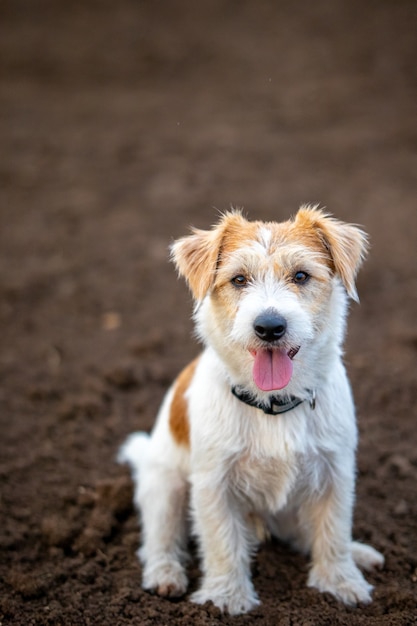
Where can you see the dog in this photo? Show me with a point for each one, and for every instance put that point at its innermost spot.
(257, 436)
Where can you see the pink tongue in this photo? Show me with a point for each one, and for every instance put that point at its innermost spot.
(272, 369)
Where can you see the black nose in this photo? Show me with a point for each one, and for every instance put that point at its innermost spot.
(270, 325)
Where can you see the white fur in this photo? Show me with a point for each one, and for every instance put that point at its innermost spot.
(294, 472)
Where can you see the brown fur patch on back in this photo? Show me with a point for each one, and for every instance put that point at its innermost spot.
(178, 418)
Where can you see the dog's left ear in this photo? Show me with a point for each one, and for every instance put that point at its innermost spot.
(197, 256)
(345, 244)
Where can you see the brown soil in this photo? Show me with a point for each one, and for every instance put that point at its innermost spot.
(121, 123)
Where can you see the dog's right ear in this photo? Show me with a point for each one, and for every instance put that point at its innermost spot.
(197, 256)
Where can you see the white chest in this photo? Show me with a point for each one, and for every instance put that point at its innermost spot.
(264, 483)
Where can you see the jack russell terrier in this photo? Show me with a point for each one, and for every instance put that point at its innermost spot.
(257, 435)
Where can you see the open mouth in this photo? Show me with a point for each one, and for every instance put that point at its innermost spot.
(272, 367)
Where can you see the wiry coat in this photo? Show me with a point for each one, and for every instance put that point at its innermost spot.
(242, 473)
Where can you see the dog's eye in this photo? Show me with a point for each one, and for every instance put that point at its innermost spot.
(301, 277)
(239, 281)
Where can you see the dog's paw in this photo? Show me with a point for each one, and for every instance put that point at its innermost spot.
(345, 582)
(235, 601)
(366, 557)
(165, 578)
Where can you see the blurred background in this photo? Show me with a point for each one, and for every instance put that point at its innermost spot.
(121, 124)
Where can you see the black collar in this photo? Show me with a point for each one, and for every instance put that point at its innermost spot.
(277, 404)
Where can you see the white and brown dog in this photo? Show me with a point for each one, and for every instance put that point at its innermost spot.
(258, 434)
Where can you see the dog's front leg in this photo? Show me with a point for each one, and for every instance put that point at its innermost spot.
(225, 544)
(329, 520)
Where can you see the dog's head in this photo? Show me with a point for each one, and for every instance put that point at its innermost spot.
(271, 296)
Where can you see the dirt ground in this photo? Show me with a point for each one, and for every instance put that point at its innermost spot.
(122, 123)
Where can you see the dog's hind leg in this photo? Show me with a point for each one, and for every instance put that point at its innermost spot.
(366, 557)
(161, 498)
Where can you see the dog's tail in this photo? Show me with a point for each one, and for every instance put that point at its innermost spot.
(135, 452)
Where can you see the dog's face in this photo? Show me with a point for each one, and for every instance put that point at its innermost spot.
(269, 294)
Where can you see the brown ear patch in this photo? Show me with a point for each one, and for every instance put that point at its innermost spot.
(178, 418)
(345, 244)
(197, 256)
